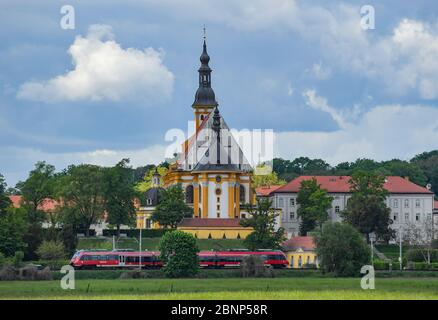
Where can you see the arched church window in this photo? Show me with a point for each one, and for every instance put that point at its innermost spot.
(242, 194)
(189, 194)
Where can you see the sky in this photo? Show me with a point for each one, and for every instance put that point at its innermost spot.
(114, 85)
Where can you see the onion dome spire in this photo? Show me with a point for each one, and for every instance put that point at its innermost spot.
(205, 95)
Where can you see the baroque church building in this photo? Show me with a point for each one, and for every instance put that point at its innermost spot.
(212, 170)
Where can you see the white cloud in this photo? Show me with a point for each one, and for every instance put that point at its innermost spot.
(381, 133)
(103, 70)
(404, 60)
(320, 72)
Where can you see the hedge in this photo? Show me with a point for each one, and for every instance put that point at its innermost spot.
(420, 266)
(416, 255)
(135, 233)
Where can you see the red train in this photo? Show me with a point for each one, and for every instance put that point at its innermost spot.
(84, 259)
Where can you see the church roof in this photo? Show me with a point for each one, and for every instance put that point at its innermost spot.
(341, 184)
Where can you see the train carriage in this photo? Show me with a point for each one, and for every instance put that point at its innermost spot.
(85, 259)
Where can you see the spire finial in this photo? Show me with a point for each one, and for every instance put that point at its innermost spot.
(204, 32)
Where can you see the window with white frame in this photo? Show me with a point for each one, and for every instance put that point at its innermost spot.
(417, 203)
(406, 216)
(292, 215)
(292, 202)
(337, 209)
(406, 203)
(395, 203)
(417, 217)
(395, 216)
(280, 202)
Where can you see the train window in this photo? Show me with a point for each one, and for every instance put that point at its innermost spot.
(146, 259)
(275, 257)
(207, 259)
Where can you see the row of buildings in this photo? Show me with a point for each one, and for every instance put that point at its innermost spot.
(217, 181)
(216, 177)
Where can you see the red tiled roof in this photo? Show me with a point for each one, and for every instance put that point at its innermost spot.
(46, 205)
(340, 184)
(210, 222)
(266, 190)
(305, 243)
(16, 201)
(435, 205)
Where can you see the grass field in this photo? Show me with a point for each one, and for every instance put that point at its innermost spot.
(276, 288)
(152, 243)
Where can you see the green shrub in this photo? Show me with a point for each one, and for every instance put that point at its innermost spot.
(2, 260)
(53, 264)
(134, 274)
(253, 266)
(51, 251)
(18, 259)
(422, 266)
(342, 249)
(417, 255)
(382, 265)
(179, 254)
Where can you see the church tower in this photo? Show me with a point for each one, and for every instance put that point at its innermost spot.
(205, 100)
(212, 169)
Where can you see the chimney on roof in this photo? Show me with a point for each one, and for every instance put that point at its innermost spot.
(428, 186)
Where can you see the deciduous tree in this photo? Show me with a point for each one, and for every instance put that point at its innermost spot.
(179, 252)
(341, 249)
(119, 195)
(172, 207)
(366, 209)
(262, 218)
(314, 203)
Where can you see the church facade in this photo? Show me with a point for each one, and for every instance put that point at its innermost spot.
(212, 169)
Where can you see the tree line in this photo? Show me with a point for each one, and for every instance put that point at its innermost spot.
(421, 169)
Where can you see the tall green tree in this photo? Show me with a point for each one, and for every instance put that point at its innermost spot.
(172, 207)
(403, 169)
(366, 209)
(262, 218)
(428, 163)
(36, 189)
(146, 184)
(5, 202)
(314, 203)
(269, 179)
(179, 252)
(81, 190)
(119, 195)
(341, 249)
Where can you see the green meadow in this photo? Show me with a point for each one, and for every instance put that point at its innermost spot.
(233, 288)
